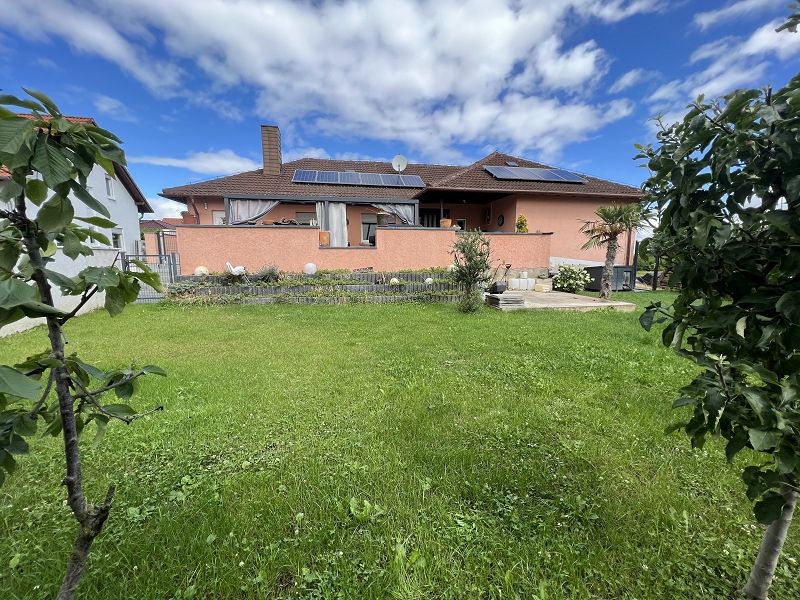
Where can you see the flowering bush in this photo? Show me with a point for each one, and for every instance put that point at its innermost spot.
(571, 278)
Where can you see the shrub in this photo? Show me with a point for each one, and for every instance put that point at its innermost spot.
(522, 224)
(571, 278)
(470, 268)
(266, 274)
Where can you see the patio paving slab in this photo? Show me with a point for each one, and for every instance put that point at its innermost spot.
(563, 301)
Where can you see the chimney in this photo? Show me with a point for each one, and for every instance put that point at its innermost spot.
(271, 147)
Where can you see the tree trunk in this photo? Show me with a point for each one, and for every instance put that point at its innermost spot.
(608, 268)
(90, 519)
(771, 544)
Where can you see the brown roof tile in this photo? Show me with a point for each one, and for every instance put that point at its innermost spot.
(259, 184)
(436, 177)
(475, 177)
(156, 224)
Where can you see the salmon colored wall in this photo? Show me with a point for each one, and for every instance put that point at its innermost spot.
(506, 207)
(292, 247)
(150, 242)
(564, 215)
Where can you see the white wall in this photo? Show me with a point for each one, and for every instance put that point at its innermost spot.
(123, 212)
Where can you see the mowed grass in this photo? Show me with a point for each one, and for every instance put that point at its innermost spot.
(502, 455)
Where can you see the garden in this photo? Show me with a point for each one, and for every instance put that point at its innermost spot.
(403, 451)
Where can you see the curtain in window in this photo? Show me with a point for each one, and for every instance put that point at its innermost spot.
(404, 212)
(245, 211)
(337, 224)
(322, 218)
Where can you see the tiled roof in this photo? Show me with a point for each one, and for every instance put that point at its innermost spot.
(259, 184)
(436, 177)
(155, 224)
(475, 177)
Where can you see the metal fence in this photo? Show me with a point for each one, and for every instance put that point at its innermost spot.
(168, 267)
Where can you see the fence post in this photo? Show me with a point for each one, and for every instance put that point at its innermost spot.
(174, 266)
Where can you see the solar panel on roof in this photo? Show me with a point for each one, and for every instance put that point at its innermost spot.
(500, 172)
(391, 180)
(304, 176)
(354, 178)
(349, 178)
(412, 181)
(371, 179)
(533, 174)
(568, 175)
(327, 177)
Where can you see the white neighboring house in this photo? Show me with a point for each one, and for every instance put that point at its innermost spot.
(125, 203)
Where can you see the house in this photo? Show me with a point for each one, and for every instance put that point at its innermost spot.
(125, 203)
(158, 236)
(342, 214)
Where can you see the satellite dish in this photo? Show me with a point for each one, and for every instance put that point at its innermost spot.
(399, 163)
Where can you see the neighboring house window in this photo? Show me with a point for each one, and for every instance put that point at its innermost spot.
(218, 217)
(109, 187)
(116, 240)
(369, 224)
(306, 218)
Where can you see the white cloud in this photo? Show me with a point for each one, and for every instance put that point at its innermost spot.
(730, 63)
(735, 10)
(219, 162)
(114, 108)
(405, 71)
(630, 79)
(165, 208)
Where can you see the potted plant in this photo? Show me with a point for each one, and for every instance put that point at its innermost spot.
(383, 219)
(446, 223)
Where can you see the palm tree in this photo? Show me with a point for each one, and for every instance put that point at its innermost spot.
(612, 221)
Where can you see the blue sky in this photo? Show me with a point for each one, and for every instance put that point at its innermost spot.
(185, 83)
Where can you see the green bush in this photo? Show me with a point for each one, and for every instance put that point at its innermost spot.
(571, 278)
(266, 274)
(471, 265)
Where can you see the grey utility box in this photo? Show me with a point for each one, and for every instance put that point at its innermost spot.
(621, 281)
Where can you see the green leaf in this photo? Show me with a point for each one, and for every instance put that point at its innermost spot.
(45, 100)
(210, 539)
(14, 101)
(741, 324)
(762, 440)
(98, 222)
(82, 194)
(103, 277)
(789, 306)
(154, 370)
(768, 509)
(62, 281)
(646, 318)
(115, 301)
(55, 214)
(14, 383)
(50, 162)
(25, 425)
(36, 191)
(119, 410)
(14, 133)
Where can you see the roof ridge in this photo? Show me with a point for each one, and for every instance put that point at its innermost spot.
(376, 162)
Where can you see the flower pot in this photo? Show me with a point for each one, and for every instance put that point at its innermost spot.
(324, 238)
(383, 219)
(446, 223)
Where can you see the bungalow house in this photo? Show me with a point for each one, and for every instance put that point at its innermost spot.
(126, 204)
(342, 214)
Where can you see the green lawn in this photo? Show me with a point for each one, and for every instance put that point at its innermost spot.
(504, 455)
